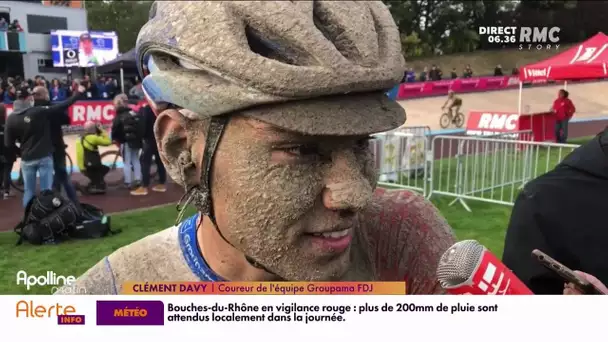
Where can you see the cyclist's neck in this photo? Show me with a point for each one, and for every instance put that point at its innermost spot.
(226, 261)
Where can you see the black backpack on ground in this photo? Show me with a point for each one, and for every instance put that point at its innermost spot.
(51, 218)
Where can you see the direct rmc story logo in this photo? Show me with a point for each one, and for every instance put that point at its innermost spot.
(525, 38)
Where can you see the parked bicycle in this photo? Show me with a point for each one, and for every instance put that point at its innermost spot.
(18, 183)
(113, 159)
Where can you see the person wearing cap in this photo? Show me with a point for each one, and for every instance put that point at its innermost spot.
(86, 52)
(268, 136)
(30, 126)
(89, 159)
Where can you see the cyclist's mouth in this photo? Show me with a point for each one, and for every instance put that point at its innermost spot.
(335, 241)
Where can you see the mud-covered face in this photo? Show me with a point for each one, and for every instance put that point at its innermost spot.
(290, 201)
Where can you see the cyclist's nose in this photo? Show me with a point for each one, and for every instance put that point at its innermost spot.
(347, 189)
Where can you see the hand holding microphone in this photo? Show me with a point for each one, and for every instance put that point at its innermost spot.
(469, 268)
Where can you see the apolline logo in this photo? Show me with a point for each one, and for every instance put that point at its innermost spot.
(49, 279)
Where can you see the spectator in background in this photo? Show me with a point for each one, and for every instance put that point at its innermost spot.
(89, 159)
(127, 130)
(435, 74)
(136, 91)
(564, 109)
(111, 87)
(15, 26)
(3, 24)
(498, 70)
(57, 116)
(10, 95)
(91, 90)
(58, 92)
(424, 74)
(410, 75)
(102, 88)
(150, 150)
(468, 72)
(454, 74)
(7, 158)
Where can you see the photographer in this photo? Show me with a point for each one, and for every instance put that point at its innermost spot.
(89, 159)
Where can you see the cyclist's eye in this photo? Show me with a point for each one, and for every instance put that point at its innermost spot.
(301, 150)
(364, 143)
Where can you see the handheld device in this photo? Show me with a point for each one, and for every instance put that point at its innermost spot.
(565, 273)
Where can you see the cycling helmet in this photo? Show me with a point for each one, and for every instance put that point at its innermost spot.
(217, 57)
(293, 64)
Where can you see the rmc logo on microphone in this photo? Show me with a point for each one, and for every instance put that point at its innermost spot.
(526, 38)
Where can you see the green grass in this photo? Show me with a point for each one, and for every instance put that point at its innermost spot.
(486, 223)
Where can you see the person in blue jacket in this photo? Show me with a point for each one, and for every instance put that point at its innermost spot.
(10, 95)
(56, 91)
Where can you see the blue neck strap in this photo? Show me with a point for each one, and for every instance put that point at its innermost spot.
(191, 252)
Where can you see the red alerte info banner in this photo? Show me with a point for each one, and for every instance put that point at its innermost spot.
(492, 123)
(82, 111)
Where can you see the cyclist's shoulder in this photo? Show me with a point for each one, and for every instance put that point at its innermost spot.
(155, 258)
(403, 226)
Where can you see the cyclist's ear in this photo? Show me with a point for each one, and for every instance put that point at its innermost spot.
(180, 142)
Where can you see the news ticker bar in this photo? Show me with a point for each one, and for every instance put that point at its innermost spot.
(157, 312)
(265, 288)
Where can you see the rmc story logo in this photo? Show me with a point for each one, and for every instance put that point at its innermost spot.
(527, 38)
(49, 279)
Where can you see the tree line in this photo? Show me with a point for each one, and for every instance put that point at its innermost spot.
(428, 27)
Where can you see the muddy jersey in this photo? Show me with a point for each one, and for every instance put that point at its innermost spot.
(406, 234)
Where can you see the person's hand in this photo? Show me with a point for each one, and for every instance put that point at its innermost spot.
(570, 289)
(81, 89)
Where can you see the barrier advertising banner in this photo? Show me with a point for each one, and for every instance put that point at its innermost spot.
(492, 123)
(435, 88)
(82, 111)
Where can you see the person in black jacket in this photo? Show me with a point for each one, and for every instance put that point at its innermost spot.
(30, 126)
(7, 158)
(56, 120)
(127, 130)
(562, 213)
(151, 150)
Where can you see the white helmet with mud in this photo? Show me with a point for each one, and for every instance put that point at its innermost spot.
(313, 67)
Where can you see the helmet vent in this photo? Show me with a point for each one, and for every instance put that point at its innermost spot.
(275, 50)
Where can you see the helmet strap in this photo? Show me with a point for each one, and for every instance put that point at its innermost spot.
(215, 131)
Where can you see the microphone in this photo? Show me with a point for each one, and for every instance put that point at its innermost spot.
(469, 268)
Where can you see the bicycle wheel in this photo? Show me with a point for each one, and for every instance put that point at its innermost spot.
(69, 165)
(459, 120)
(444, 120)
(110, 159)
(153, 168)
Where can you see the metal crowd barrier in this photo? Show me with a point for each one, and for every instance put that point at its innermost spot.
(489, 169)
(401, 157)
